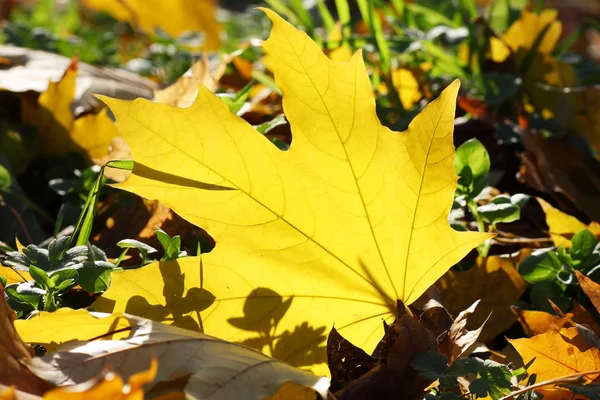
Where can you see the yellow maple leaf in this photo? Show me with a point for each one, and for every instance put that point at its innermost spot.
(174, 17)
(333, 231)
(558, 354)
(58, 131)
(564, 226)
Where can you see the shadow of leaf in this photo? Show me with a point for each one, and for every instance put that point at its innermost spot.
(177, 305)
(264, 310)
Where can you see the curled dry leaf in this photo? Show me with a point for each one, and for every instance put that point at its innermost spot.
(458, 338)
(184, 91)
(590, 288)
(333, 231)
(496, 281)
(202, 366)
(12, 352)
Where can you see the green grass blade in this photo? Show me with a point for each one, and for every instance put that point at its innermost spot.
(280, 8)
(328, 20)
(304, 16)
(470, 7)
(343, 10)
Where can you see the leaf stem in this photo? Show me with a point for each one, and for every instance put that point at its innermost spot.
(484, 248)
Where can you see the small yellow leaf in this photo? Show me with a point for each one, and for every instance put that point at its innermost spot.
(111, 386)
(53, 329)
(563, 226)
(94, 133)
(522, 34)
(13, 276)
(52, 114)
(558, 354)
(58, 132)
(407, 86)
(174, 17)
(333, 231)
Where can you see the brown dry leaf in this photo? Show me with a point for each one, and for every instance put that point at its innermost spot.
(58, 132)
(496, 281)
(346, 361)
(565, 172)
(537, 322)
(174, 17)
(12, 351)
(590, 288)
(108, 386)
(403, 340)
(564, 226)
(459, 339)
(558, 354)
(138, 218)
(118, 150)
(183, 92)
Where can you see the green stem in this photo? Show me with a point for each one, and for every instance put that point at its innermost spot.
(483, 248)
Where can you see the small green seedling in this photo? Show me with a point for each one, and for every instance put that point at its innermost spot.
(472, 165)
(552, 271)
(485, 377)
(170, 245)
(55, 270)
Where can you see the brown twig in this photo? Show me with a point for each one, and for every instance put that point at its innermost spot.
(568, 378)
(19, 219)
(523, 240)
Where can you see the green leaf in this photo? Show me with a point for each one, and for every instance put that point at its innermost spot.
(235, 103)
(57, 247)
(64, 279)
(96, 279)
(136, 244)
(432, 366)
(540, 267)
(41, 277)
(541, 292)
(127, 165)
(21, 301)
(472, 154)
(5, 179)
(171, 246)
(583, 245)
(500, 209)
